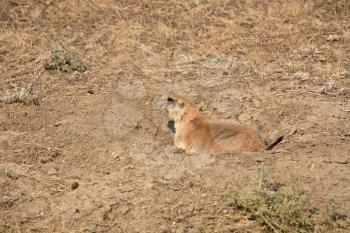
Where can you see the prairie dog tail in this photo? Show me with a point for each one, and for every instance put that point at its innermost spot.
(273, 144)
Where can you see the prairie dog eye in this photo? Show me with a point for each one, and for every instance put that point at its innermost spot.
(170, 99)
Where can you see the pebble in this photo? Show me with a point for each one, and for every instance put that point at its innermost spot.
(180, 218)
(347, 107)
(10, 174)
(74, 185)
(332, 38)
(52, 171)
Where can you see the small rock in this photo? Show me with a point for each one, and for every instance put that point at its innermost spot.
(74, 185)
(56, 124)
(179, 219)
(55, 154)
(332, 38)
(10, 174)
(241, 51)
(303, 76)
(76, 210)
(52, 171)
(91, 92)
(45, 160)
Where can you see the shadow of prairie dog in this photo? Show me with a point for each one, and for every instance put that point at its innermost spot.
(196, 133)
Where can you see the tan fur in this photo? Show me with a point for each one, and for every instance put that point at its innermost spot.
(195, 133)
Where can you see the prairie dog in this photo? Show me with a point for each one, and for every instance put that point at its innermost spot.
(196, 133)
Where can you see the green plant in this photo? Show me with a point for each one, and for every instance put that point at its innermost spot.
(276, 208)
(63, 60)
(23, 95)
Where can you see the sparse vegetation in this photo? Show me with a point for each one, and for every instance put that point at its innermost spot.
(22, 95)
(65, 62)
(278, 208)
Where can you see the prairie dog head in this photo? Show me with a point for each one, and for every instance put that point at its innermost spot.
(177, 106)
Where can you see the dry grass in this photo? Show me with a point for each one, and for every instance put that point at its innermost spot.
(277, 208)
(276, 35)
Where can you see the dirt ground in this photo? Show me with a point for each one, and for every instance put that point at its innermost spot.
(280, 66)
